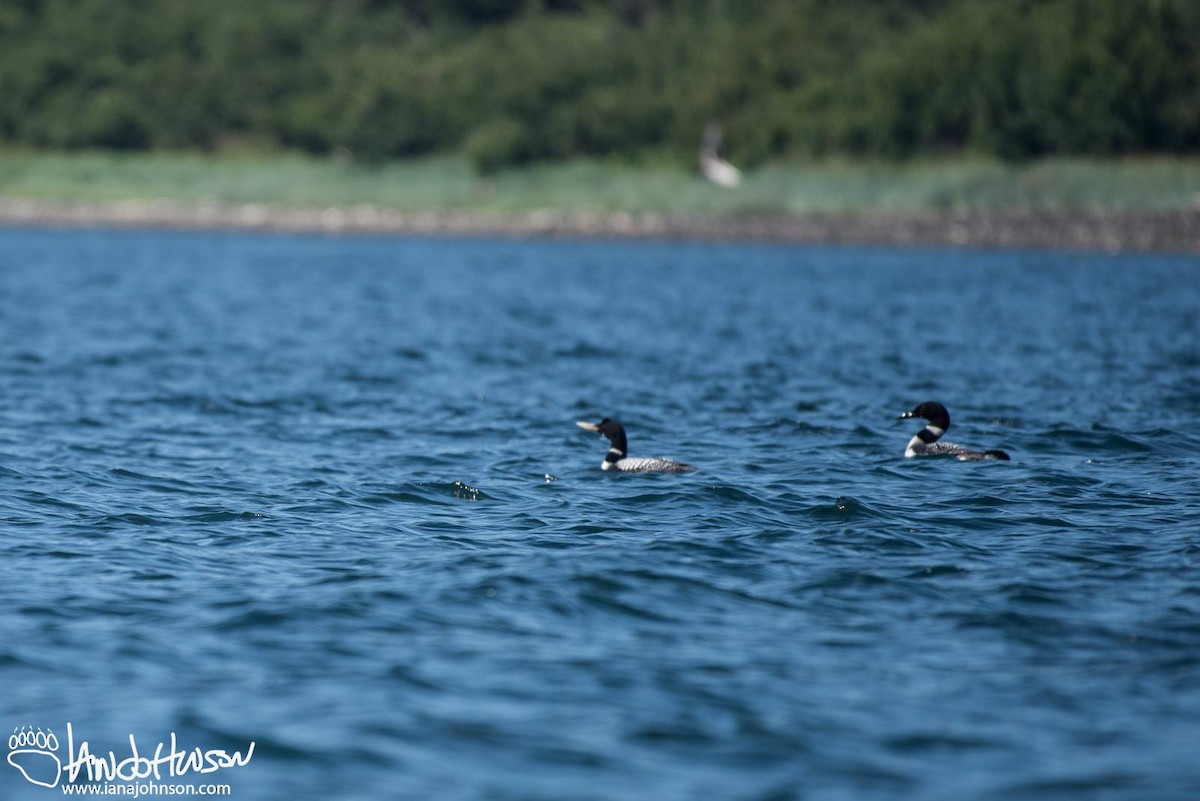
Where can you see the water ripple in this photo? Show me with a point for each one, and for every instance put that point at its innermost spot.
(326, 495)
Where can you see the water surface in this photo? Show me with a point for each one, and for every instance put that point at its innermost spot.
(326, 495)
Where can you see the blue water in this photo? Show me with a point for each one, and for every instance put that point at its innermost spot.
(327, 495)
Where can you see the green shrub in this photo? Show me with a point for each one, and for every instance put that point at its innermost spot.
(509, 81)
(498, 143)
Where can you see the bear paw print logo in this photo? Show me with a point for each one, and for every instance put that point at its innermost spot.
(33, 752)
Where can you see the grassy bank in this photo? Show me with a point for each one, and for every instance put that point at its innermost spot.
(448, 184)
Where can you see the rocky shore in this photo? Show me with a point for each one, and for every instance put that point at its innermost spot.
(1113, 231)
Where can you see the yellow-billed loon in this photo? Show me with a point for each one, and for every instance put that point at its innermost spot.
(925, 442)
(616, 458)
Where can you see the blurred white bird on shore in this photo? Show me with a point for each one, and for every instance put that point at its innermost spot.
(713, 167)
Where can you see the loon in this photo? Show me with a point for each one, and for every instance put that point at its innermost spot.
(925, 442)
(616, 458)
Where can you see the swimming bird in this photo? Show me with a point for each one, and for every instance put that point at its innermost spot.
(616, 459)
(925, 442)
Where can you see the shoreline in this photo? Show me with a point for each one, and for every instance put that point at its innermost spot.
(1102, 230)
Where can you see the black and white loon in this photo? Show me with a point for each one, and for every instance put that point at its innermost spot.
(925, 443)
(616, 458)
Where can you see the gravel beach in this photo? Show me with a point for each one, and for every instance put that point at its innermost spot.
(1104, 230)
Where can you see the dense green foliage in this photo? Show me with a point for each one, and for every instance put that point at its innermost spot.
(509, 81)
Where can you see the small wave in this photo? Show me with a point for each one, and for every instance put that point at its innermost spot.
(410, 354)
(189, 401)
(59, 553)
(224, 516)
(845, 507)
(648, 498)
(154, 575)
(733, 496)
(358, 376)
(465, 492)
(1098, 783)
(164, 484)
(789, 426)
(938, 571)
(1030, 594)
(937, 742)
(610, 594)
(435, 493)
(130, 519)
(48, 501)
(585, 350)
(255, 619)
(1097, 441)
(367, 432)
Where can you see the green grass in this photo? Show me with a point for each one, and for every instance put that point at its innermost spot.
(447, 183)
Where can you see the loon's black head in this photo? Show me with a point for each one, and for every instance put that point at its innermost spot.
(932, 411)
(611, 429)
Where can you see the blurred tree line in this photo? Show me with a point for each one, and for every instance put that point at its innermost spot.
(509, 81)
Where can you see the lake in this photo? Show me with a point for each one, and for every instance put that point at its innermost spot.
(327, 496)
